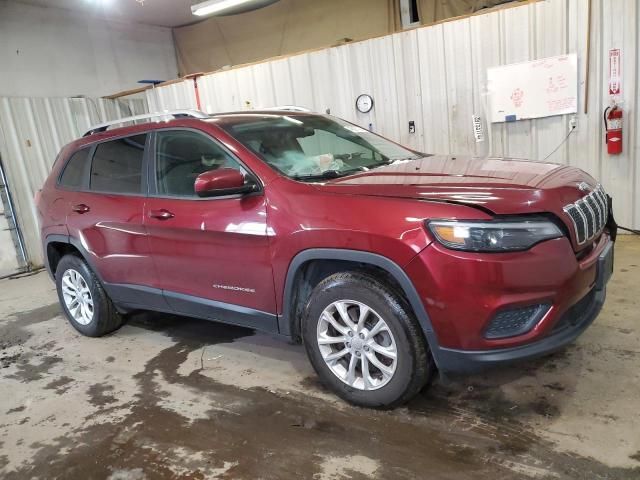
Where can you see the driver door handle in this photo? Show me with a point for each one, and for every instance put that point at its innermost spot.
(80, 208)
(161, 214)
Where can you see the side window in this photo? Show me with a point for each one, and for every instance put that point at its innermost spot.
(73, 173)
(182, 155)
(117, 165)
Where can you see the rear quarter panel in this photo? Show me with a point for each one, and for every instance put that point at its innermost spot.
(52, 203)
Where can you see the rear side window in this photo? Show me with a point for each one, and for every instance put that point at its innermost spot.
(73, 174)
(117, 165)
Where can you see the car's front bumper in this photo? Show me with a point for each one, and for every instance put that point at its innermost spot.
(572, 324)
(464, 295)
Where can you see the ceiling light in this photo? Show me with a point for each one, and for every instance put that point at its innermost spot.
(228, 7)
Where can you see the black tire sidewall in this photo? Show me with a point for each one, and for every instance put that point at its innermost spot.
(96, 326)
(364, 289)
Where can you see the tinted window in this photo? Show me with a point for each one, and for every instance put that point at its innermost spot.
(182, 155)
(117, 165)
(74, 171)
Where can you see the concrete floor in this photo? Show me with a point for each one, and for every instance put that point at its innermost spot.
(172, 397)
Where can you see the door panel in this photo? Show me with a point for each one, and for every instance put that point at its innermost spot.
(113, 234)
(214, 249)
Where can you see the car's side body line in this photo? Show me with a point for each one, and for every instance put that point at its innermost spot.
(131, 297)
(148, 298)
(222, 312)
(286, 320)
(137, 297)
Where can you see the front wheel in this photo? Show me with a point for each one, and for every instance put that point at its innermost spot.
(364, 342)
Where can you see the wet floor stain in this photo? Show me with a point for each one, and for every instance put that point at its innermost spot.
(60, 385)
(37, 315)
(21, 408)
(453, 430)
(33, 366)
(13, 333)
(101, 394)
(458, 432)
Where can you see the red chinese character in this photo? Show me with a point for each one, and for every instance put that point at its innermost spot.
(516, 97)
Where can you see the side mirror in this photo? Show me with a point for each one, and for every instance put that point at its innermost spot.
(224, 181)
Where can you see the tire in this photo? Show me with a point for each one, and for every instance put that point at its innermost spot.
(73, 271)
(353, 293)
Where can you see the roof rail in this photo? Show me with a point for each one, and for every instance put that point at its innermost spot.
(288, 108)
(164, 116)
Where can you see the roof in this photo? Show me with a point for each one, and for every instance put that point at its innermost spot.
(222, 119)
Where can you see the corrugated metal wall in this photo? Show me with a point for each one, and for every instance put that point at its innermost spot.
(32, 132)
(436, 76)
(175, 96)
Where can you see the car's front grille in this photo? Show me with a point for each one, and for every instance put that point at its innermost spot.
(588, 215)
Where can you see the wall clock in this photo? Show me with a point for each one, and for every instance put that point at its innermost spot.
(364, 103)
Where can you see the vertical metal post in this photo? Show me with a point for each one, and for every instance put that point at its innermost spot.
(5, 196)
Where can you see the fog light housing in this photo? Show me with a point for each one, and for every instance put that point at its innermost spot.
(512, 322)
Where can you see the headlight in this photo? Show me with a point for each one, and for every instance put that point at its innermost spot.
(492, 236)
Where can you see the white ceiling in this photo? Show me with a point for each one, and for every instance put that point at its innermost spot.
(167, 13)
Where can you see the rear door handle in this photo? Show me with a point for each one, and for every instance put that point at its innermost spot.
(80, 208)
(161, 214)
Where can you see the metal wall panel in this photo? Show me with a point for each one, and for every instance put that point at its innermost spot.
(179, 95)
(32, 132)
(436, 76)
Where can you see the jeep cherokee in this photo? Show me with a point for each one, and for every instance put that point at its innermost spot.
(386, 263)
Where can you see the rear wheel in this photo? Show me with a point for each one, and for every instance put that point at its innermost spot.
(363, 341)
(84, 301)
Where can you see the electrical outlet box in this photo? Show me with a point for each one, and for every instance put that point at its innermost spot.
(573, 122)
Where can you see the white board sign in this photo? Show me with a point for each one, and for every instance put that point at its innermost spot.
(540, 88)
(478, 131)
(614, 72)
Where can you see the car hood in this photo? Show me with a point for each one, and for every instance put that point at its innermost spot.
(499, 185)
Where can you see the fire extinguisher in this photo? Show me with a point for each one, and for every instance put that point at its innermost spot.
(613, 129)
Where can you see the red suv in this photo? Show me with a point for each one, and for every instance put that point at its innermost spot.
(388, 264)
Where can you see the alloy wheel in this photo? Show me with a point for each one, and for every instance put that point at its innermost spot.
(77, 296)
(357, 345)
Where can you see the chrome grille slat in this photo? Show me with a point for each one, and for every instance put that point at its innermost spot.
(605, 204)
(578, 222)
(602, 198)
(588, 214)
(596, 209)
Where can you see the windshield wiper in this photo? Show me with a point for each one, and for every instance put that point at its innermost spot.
(327, 174)
(389, 161)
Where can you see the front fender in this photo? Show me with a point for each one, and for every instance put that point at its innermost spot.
(286, 320)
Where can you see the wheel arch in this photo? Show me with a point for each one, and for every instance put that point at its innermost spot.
(56, 246)
(289, 321)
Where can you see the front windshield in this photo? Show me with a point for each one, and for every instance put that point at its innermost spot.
(308, 147)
